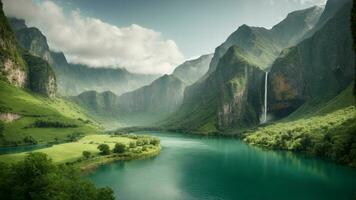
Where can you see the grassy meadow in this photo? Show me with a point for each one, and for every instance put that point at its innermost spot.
(73, 151)
(42, 119)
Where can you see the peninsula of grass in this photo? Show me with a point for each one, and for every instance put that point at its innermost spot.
(87, 154)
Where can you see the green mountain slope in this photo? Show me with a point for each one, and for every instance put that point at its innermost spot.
(230, 96)
(317, 68)
(153, 102)
(30, 118)
(326, 130)
(192, 70)
(264, 45)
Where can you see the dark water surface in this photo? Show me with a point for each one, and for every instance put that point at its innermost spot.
(191, 167)
(25, 148)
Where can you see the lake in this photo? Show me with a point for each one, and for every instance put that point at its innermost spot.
(194, 167)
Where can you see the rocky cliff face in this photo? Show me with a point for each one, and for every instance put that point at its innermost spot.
(241, 92)
(353, 27)
(103, 104)
(74, 79)
(228, 98)
(42, 79)
(318, 67)
(192, 70)
(12, 67)
(163, 95)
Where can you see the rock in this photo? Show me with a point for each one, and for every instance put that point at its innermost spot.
(9, 117)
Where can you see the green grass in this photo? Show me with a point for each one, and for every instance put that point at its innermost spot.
(33, 107)
(71, 152)
(326, 129)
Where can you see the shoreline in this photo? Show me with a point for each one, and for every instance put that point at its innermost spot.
(87, 166)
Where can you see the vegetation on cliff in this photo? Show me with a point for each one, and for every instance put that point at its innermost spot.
(325, 129)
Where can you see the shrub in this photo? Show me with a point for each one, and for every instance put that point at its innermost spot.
(30, 140)
(104, 149)
(144, 148)
(132, 144)
(120, 148)
(86, 154)
(2, 128)
(41, 123)
(155, 141)
(137, 150)
(74, 136)
(37, 177)
(139, 142)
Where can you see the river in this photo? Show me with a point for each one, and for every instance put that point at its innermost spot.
(193, 167)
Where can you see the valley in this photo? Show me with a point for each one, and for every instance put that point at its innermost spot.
(269, 114)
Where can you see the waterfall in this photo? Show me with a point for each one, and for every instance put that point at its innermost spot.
(264, 117)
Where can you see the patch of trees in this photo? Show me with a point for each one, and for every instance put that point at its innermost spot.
(38, 178)
(86, 154)
(104, 149)
(41, 123)
(332, 137)
(120, 148)
(2, 128)
(29, 140)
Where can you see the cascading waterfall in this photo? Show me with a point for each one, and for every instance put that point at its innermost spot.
(264, 116)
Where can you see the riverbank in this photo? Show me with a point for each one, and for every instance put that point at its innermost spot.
(136, 147)
(90, 165)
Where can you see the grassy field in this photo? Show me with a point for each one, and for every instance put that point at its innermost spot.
(70, 118)
(327, 130)
(71, 152)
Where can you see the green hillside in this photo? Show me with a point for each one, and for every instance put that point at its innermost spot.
(41, 119)
(326, 129)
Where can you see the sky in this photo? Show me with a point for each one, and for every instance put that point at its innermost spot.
(145, 36)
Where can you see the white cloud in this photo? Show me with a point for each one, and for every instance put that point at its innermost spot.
(316, 2)
(93, 42)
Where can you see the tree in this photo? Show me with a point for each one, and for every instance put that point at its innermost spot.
(155, 141)
(132, 144)
(37, 177)
(2, 128)
(120, 148)
(86, 154)
(104, 149)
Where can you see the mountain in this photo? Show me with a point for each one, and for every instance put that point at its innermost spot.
(102, 106)
(20, 68)
(162, 95)
(192, 70)
(74, 79)
(30, 112)
(353, 26)
(230, 95)
(42, 79)
(318, 67)
(264, 45)
(332, 7)
(148, 104)
(12, 66)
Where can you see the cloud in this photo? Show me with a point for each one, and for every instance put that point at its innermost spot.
(90, 41)
(316, 2)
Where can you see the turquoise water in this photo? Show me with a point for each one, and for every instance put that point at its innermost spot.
(191, 167)
(25, 148)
